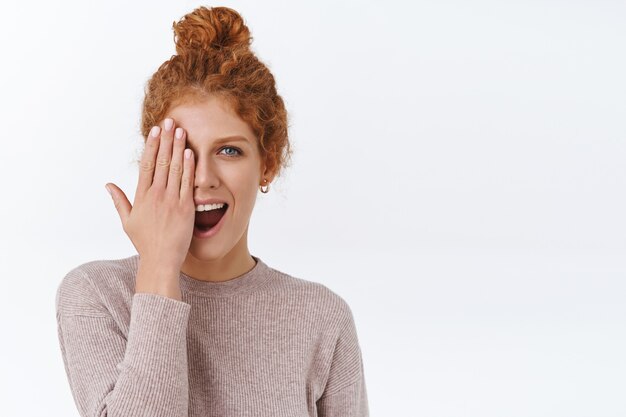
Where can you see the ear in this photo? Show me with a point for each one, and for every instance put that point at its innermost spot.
(267, 174)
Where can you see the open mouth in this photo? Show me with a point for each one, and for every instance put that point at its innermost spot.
(209, 221)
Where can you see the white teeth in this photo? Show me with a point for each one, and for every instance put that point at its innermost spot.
(207, 207)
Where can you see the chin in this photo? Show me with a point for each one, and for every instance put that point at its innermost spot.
(206, 251)
(218, 246)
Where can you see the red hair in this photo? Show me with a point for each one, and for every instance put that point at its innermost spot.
(213, 57)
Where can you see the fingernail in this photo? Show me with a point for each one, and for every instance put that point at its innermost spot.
(154, 132)
(108, 189)
(179, 132)
(168, 124)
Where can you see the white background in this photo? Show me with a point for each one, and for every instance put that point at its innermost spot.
(458, 179)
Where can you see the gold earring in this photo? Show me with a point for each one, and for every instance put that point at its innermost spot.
(266, 189)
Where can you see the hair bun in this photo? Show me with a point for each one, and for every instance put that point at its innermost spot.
(210, 29)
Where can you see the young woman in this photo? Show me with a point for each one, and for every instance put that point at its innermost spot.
(194, 325)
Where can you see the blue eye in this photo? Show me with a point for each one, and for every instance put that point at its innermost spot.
(232, 147)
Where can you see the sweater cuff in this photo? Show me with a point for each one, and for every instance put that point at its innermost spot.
(157, 332)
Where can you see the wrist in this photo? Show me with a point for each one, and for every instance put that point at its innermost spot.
(158, 279)
(159, 266)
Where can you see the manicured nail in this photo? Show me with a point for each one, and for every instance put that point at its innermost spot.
(154, 132)
(168, 124)
(179, 132)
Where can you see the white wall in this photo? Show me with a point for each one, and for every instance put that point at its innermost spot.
(458, 178)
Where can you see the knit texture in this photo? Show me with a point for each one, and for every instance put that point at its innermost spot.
(262, 344)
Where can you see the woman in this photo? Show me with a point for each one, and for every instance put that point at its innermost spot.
(194, 325)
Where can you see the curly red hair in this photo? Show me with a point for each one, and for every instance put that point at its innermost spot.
(214, 58)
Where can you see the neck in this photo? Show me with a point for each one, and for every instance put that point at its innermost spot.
(233, 264)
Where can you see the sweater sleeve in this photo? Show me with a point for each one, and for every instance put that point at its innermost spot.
(114, 376)
(345, 393)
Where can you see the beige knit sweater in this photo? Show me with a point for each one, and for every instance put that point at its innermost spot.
(262, 344)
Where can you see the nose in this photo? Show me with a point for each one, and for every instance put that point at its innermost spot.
(206, 175)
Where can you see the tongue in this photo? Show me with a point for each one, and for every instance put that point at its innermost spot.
(208, 219)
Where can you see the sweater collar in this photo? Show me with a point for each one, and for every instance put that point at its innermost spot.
(248, 282)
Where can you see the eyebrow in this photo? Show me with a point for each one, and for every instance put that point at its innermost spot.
(234, 138)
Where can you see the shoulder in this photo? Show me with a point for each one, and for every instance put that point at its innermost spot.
(88, 288)
(319, 300)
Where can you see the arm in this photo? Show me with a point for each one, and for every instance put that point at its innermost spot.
(345, 394)
(111, 376)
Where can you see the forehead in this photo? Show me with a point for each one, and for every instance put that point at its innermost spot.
(209, 119)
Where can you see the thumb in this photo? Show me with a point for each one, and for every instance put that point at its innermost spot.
(120, 201)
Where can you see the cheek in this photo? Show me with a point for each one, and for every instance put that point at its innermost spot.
(243, 184)
(241, 176)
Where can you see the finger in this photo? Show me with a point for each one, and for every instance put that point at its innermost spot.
(122, 205)
(164, 156)
(186, 183)
(146, 165)
(176, 166)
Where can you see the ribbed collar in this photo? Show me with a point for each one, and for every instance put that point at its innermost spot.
(252, 280)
